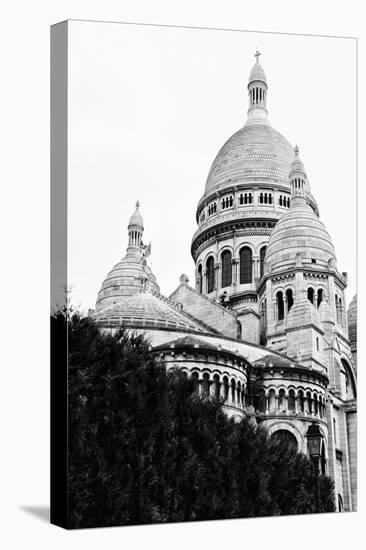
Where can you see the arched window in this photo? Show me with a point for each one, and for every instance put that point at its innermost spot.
(309, 403)
(289, 298)
(232, 391)
(280, 306)
(311, 295)
(261, 198)
(206, 385)
(245, 257)
(280, 200)
(315, 402)
(340, 310)
(320, 296)
(239, 330)
(301, 401)
(200, 279)
(262, 255)
(195, 382)
(226, 387)
(261, 401)
(291, 400)
(226, 267)
(336, 306)
(340, 503)
(217, 386)
(272, 400)
(210, 268)
(286, 438)
(281, 400)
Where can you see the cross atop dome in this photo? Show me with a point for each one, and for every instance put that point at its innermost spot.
(257, 86)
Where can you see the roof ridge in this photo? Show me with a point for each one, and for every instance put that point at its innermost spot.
(206, 298)
(180, 310)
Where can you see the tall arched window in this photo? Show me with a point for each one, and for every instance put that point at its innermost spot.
(311, 295)
(280, 306)
(245, 257)
(226, 269)
(289, 298)
(262, 255)
(210, 268)
(291, 400)
(320, 296)
(200, 279)
(301, 401)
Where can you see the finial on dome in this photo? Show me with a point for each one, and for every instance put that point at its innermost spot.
(297, 175)
(257, 86)
(135, 228)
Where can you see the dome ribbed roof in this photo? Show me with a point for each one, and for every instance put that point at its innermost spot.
(299, 233)
(146, 310)
(127, 278)
(254, 151)
(257, 73)
(352, 320)
(136, 218)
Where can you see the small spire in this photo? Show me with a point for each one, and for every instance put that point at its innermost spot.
(257, 54)
(137, 204)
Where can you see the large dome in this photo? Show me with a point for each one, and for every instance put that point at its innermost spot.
(256, 151)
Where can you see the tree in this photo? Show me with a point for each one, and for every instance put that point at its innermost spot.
(144, 448)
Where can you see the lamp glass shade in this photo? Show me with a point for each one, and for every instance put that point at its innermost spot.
(314, 437)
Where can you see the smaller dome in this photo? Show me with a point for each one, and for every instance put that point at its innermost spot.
(352, 320)
(130, 275)
(136, 218)
(257, 73)
(299, 235)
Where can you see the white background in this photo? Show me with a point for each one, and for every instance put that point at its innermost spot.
(25, 273)
(149, 108)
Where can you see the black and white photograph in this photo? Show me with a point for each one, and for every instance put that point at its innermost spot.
(181, 266)
(209, 306)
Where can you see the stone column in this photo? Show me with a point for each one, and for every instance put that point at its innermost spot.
(204, 281)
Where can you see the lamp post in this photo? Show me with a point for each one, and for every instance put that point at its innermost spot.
(314, 438)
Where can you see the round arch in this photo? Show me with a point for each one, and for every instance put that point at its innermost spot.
(276, 426)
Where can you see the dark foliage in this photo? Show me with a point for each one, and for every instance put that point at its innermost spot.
(143, 448)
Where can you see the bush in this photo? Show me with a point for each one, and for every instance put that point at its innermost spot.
(143, 448)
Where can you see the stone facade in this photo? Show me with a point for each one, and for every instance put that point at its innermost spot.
(265, 326)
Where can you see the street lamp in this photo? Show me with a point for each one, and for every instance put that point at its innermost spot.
(315, 438)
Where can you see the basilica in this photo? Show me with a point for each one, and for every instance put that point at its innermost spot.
(264, 326)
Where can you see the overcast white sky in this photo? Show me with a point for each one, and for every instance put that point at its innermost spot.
(149, 108)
